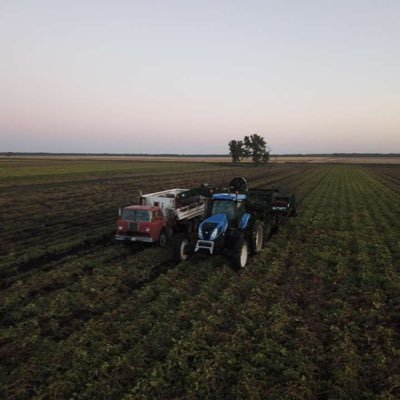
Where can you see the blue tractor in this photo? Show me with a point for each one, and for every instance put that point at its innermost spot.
(238, 222)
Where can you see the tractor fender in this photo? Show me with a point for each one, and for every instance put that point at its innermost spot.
(244, 222)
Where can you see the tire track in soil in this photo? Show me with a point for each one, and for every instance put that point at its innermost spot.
(25, 268)
(80, 317)
(83, 317)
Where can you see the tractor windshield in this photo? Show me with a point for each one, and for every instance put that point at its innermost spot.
(224, 207)
(136, 215)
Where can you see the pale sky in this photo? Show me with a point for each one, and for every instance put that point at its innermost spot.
(187, 76)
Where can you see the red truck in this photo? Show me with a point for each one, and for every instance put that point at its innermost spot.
(158, 215)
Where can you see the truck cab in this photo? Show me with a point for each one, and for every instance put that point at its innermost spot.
(159, 215)
(141, 223)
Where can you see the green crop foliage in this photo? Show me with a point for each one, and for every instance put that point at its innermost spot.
(316, 315)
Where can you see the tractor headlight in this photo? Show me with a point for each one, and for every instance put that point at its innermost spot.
(200, 233)
(214, 234)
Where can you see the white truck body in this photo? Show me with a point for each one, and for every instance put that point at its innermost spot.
(166, 200)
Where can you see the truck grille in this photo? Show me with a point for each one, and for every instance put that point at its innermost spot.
(133, 226)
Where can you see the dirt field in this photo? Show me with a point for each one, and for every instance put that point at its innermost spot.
(315, 316)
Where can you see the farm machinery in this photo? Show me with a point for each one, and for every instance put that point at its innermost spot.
(238, 222)
(234, 221)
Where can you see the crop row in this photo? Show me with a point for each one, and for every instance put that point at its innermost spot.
(387, 174)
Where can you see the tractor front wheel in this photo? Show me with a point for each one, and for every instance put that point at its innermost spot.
(240, 254)
(182, 250)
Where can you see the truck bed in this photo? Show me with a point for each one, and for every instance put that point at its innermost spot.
(175, 206)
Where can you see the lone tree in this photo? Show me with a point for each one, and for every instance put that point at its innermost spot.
(236, 150)
(256, 148)
(253, 146)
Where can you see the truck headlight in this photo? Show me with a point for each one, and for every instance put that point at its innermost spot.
(214, 234)
(147, 229)
(120, 228)
(200, 233)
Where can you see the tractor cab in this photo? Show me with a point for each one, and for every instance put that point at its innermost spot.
(232, 205)
(227, 212)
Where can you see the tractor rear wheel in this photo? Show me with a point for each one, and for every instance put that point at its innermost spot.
(257, 238)
(240, 254)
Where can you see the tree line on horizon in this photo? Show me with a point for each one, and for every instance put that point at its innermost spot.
(17, 153)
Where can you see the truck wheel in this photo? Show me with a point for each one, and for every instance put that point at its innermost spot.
(170, 232)
(240, 255)
(163, 238)
(257, 238)
(181, 250)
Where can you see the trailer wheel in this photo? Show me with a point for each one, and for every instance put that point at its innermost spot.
(275, 226)
(163, 238)
(268, 232)
(181, 250)
(240, 254)
(170, 232)
(257, 238)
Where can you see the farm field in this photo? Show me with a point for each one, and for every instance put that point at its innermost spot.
(315, 316)
(359, 159)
